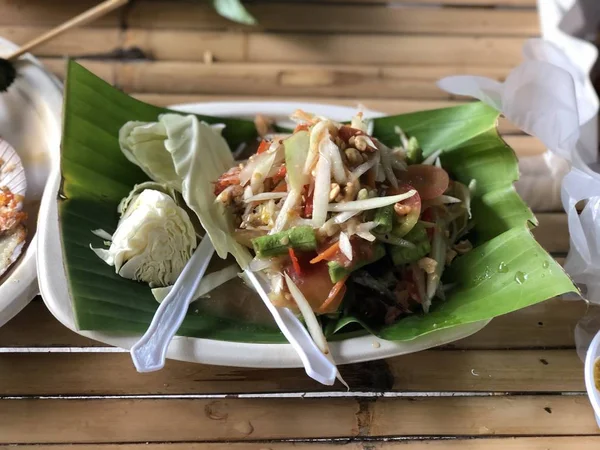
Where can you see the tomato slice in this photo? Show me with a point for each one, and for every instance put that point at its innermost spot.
(280, 175)
(229, 178)
(263, 147)
(314, 283)
(361, 251)
(429, 181)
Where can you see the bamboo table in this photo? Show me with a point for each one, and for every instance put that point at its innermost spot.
(517, 384)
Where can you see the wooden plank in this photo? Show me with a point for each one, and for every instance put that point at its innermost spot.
(189, 45)
(82, 374)
(377, 49)
(507, 443)
(548, 324)
(336, 18)
(351, 81)
(291, 79)
(436, 71)
(538, 415)
(553, 232)
(44, 13)
(77, 42)
(486, 443)
(135, 420)
(489, 371)
(525, 145)
(180, 45)
(332, 15)
(35, 326)
(106, 71)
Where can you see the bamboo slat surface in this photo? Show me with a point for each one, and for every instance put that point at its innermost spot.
(515, 385)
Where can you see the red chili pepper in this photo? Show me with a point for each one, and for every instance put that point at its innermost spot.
(263, 147)
(229, 178)
(280, 175)
(295, 262)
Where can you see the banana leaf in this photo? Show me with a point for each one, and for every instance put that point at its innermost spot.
(506, 271)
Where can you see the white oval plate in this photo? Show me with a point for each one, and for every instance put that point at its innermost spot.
(30, 118)
(53, 281)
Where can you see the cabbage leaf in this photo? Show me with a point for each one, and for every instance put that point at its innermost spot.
(188, 155)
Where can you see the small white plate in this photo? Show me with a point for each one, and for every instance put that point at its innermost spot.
(53, 281)
(30, 118)
(591, 359)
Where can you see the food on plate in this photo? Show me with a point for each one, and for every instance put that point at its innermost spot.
(12, 218)
(320, 209)
(331, 206)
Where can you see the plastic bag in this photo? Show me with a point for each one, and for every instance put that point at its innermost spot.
(583, 260)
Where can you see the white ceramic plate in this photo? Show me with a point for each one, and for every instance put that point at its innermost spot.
(30, 117)
(53, 282)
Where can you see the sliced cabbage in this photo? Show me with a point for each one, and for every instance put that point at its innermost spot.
(154, 240)
(188, 155)
(208, 283)
(142, 143)
(139, 188)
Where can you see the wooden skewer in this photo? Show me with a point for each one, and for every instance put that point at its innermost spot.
(83, 18)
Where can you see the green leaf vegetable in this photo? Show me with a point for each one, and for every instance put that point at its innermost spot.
(97, 176)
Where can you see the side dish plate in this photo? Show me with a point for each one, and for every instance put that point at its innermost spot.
(30, 118)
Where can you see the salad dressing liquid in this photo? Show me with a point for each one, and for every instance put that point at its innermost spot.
(234, 300)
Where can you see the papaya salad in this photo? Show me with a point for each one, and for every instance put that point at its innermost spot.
(351, 223)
